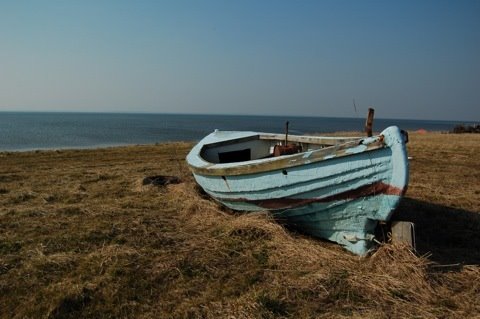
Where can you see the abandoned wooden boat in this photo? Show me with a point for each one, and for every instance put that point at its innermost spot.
(329, 187)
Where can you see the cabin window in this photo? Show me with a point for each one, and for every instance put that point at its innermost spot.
(235, 156)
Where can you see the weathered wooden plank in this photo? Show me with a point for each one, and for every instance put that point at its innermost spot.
(317, 140)
(404, 232)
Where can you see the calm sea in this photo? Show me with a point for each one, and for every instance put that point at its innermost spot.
(29, 131)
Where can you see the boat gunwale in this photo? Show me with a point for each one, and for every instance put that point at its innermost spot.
(285, 161)
(317, 140)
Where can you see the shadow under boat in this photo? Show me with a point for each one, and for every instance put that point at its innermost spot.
(448, 235)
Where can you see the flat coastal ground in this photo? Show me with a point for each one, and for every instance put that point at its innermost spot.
(82, 237)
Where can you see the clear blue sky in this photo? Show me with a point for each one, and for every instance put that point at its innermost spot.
(409, 59)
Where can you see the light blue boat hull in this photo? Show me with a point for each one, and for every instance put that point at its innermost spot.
(339, 198)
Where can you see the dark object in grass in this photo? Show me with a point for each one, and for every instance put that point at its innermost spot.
(161, 180)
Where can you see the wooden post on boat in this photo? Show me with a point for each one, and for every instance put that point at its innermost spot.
(369, 122)
(286, 133)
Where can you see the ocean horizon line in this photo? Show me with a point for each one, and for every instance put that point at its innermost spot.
(237, 115)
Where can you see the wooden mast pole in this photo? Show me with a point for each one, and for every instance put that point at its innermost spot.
(369, 122)
(286, 133)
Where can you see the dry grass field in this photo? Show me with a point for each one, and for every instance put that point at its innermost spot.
(81, 236)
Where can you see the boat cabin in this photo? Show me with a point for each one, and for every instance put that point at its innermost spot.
(264, 146)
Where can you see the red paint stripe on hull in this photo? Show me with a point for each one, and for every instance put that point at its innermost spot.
(377, 188)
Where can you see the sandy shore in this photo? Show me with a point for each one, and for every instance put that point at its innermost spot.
(82, 236)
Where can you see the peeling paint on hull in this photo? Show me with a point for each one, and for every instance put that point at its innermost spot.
(339, 192)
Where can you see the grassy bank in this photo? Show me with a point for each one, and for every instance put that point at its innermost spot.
(82, 236)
